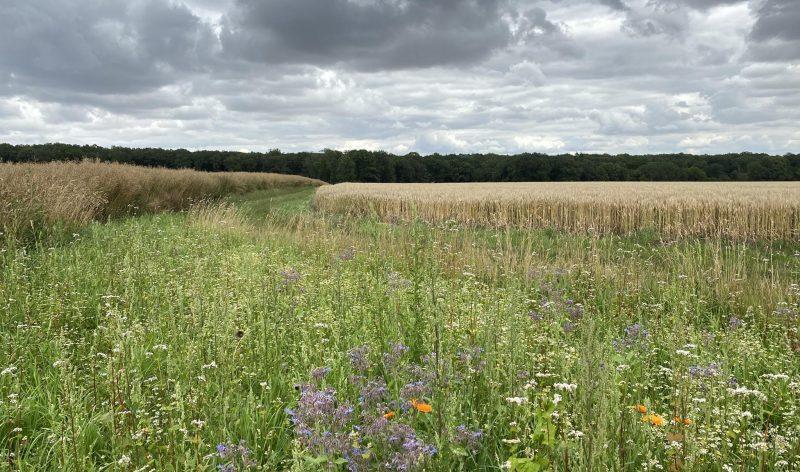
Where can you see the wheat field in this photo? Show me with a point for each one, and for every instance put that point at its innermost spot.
(39, 197)
(740, 210)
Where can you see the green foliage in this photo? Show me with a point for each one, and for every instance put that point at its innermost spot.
(378, 166)
(144, 343)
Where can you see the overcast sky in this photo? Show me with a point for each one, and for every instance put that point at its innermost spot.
(502, 76)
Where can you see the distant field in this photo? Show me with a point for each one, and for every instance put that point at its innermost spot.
(735, 210)
(35, 198)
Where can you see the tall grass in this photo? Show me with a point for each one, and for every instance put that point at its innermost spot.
(161, 342)
(740, 211)
(36, 198)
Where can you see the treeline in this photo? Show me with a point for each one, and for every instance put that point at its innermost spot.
(378, 166)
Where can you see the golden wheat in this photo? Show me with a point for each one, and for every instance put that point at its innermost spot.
(40, 197)
(740, 210)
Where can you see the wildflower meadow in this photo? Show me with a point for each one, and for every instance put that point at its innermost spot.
(259, 334)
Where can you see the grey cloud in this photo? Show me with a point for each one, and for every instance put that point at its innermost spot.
(656, 19)
(532, 28)
(377, 34)
(701, 4)
(99, 46)
(776, 33)
(665, 17)
(777, 19)
(615, 4)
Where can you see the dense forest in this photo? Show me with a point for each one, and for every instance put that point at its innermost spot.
(377, 166)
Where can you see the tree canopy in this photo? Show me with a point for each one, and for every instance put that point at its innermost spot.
(379, 166)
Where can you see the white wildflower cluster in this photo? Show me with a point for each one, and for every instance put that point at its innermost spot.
(775, 376)
(516, 400)
(744, 391)
(566, 387)
(124, 461)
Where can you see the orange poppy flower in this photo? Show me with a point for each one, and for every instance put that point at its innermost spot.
(653, 419)
(680, 420)
(389, 415)
(422, 407)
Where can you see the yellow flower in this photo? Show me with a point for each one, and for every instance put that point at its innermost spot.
(641, 409)
(421, 406)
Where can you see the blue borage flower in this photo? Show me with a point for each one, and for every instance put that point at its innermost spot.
(234, 454)
(373, 392)
(396, 352)
(320, 372)
(635, 336)
(365, 435)
(472, 358)
(359, 358)
(698, 371)
(467, 438)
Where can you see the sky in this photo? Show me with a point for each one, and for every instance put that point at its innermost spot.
(502, 76)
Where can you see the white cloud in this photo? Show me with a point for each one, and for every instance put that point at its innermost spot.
(538, 143)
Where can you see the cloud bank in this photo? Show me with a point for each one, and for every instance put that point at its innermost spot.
(501, 76)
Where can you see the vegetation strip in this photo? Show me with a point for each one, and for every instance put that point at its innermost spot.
(247, 335)
(42, 199)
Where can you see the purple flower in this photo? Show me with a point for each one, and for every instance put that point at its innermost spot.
(396, 352)
(535, 316)
(290, 276)
(472, 358)
(635, 335)
(786, 312)
(406, 451)
(636, 331)
(320, 421)
(734, 323)
(568, 326)
(416, 389)
(320, 372)
(574, 310)
(347, 254)
(373, 392)
(467, 438)
(359, 358)
(711, 370)
(223, 451)
(234, 454)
